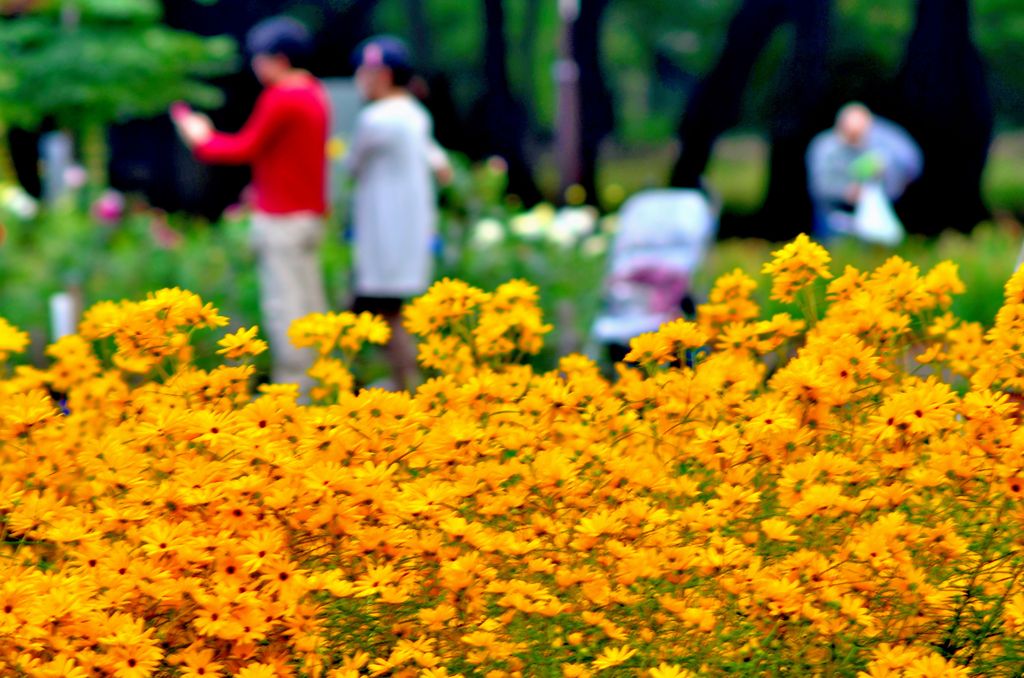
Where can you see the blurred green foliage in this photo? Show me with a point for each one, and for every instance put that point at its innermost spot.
(102, 60)
(654, 50)
(486, 241)
(87, 63)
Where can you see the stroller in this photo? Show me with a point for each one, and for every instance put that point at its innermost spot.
(663, 236)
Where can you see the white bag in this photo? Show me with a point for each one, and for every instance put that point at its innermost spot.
(874, 220)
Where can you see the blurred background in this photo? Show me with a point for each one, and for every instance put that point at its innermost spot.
(559, 110)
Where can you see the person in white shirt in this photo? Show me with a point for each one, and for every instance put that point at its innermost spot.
(395, 162)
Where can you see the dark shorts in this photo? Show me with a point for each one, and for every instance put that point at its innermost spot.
(386, 306)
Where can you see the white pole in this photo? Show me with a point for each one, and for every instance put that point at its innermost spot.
(569, 10)
(63, 315)
(567, 123)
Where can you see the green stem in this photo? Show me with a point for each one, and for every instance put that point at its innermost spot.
(810, 306)
(94, 156)
(948, 648)
(7, 173)
(994, 619)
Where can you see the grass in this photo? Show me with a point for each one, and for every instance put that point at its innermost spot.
(1003, 182)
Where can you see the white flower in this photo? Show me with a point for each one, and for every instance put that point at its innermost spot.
(533, 224)
(487, 233)
(579, 221)
(562, 237)
(15, 200)
(569, 225)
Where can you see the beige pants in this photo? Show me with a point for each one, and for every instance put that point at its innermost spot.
(287, 248)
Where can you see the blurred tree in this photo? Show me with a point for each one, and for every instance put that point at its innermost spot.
(88, 63)
(526, 44)
(419, 34)
(716, 105)
(596, 109)
(500, 117)
(944, 102)
(568, 128)
(343, 25)
(654, 53)
(999, 33)
(799, 114)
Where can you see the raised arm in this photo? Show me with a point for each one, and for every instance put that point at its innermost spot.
(905, 160)
(437, 158)
(242, 147)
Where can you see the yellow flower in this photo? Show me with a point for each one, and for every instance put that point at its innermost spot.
(439, 672)
(61, 667)
(336, 148)
(570, 670)
(257, 670)
(12, 340)
(241, 343)
(650, 348)
(935, 665)
(670, 671)
(613, 656)
(795, 266)
(445, 304)
(499, 512)
(777, 529)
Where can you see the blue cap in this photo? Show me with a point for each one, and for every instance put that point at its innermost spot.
(383, 50)
(279, 35)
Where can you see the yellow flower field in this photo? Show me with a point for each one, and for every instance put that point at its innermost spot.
(837, 495)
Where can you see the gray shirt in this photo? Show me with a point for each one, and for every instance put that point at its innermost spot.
(830, 160)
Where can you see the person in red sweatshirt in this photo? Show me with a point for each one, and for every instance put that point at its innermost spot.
(284, 142)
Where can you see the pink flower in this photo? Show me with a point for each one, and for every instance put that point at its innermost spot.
(75, 176)
(108, 208)
(497, 164)
(235, 212)
(163, 235)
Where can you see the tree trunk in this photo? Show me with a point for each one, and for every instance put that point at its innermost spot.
(502, 117)
(7, 172)
(597, 115)
(95, 157)
(495, 47)
(419, 31)
(567, 109)
(787, 209)
(715, 105)
(944, 102)
(526, 45)
(359, 17)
